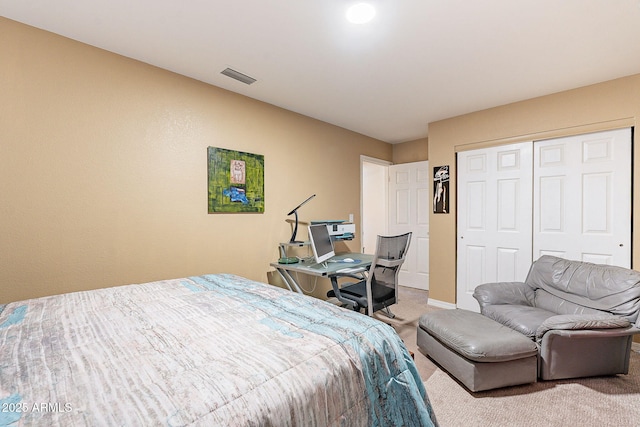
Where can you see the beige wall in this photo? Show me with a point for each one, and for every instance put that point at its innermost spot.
(411, 151)
(603, 106)
(103, 167)
(104, 179)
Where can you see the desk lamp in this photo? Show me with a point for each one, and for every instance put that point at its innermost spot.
(295, 228)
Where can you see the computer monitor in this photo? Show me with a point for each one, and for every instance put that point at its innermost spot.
(321, 242)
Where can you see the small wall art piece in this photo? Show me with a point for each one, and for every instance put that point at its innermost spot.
(441, 189)
(236, 181)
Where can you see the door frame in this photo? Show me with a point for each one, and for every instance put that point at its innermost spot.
(385, 165)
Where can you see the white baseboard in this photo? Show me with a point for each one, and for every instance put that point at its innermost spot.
(441, 304)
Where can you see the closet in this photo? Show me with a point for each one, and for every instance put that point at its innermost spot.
(569, 197)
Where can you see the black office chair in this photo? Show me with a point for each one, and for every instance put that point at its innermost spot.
(379, 289)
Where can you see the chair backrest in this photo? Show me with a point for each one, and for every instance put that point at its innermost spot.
(391, 252)
(569, 285)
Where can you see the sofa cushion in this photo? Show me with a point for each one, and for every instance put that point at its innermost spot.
(520, 318)
(550, 302)
(476, 337)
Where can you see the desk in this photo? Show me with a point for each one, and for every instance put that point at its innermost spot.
(330, 271)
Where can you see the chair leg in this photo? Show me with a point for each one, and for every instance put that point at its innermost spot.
(388, 313)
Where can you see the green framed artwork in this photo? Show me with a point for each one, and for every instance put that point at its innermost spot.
(236, 181)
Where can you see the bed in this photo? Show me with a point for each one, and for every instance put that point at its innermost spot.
(214, 350)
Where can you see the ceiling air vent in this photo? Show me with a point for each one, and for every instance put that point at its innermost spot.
(229, 72)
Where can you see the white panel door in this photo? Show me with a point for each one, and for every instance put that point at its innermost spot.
(409, 206)
(494, 218)
(582, 198)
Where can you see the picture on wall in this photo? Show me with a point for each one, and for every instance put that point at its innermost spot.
(236, 181)
(441, 189)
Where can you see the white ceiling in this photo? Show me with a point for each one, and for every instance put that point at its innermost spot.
(417, 62)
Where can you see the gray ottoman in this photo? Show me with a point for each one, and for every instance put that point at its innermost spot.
(480, 353)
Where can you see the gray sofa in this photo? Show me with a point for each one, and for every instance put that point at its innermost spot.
(582, 316)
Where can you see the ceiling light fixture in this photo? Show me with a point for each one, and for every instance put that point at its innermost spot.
(361, 13)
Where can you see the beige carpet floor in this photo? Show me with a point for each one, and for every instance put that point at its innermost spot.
(600, 401)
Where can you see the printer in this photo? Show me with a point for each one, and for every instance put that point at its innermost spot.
(339, 230)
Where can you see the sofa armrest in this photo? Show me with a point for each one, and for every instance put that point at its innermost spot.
(576, 322)
(569, 353)
(513, 293)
